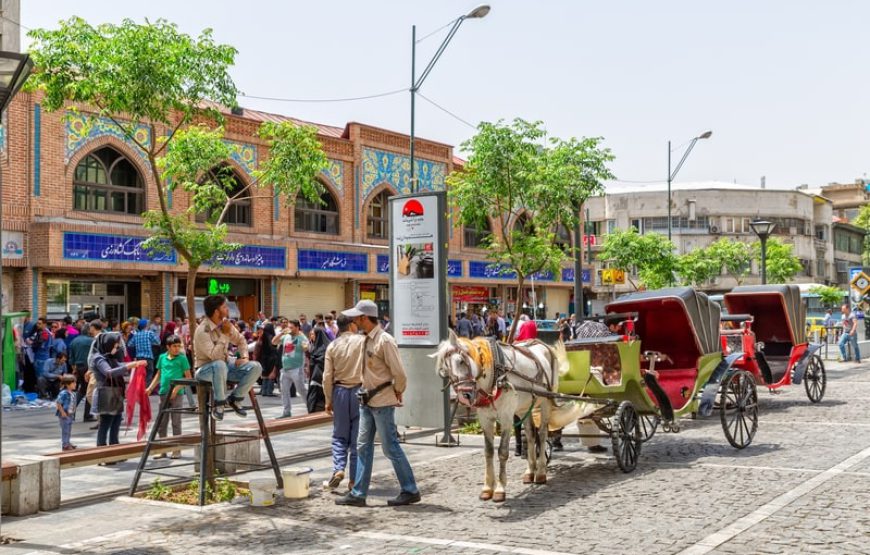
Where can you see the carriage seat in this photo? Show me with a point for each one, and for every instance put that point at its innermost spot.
(590, 354)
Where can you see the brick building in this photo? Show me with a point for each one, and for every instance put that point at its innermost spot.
(73, 194)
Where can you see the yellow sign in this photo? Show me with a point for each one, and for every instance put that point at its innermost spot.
(612, 276)
(367, 295)
(861, 283)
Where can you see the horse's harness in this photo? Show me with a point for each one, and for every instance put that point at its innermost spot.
(470, 392)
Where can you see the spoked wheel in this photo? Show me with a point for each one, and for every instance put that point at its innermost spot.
(738, 408)
(648, 425)
(626, 436)
(815, 379)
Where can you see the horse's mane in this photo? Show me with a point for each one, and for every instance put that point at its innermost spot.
(479, 351)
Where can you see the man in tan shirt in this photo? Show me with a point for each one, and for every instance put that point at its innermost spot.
(210, 346)
(383, 377)
(342, 377)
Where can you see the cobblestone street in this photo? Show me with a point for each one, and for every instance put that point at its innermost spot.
(801, 487)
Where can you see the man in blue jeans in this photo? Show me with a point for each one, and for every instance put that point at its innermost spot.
(210, 344)
(850, 334)
(383, 377)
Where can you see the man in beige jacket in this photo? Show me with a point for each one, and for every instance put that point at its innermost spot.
(384, 379)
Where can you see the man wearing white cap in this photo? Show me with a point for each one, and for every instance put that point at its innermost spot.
(384, 381)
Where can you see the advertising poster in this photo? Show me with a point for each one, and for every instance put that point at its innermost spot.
(417, 268)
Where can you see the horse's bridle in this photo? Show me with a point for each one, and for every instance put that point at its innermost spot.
(469, 391)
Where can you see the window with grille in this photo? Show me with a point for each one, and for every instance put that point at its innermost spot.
(105, 181)
(314, 217)
(378, 219)
(475, 235)
(239, 212)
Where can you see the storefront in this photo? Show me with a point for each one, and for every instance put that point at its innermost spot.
(244, 292)
(84, 297)
(473, 299)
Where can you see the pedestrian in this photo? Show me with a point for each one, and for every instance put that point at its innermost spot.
(502, 325)
(293, 344)
(315, 399)
(109, 393)
(330, 327)
(48, 381)
(267, 355)
(342, 377)
(463, 326)
(477, 328)
(171, 365)
(305, 324)
(58, 342)
(66, 410)
(79, 350)
(126, 340)
(527, 329)
(169, 330)
(143, 342)
(71, 330)
(850, 335)
(386, 323)
(211, 343)
(384, 380)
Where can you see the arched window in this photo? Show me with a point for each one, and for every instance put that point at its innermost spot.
(524, 223)
(105, 181)
(239, 212)
(474, 235)
(378, 219)
(563, 238)
(316, 217)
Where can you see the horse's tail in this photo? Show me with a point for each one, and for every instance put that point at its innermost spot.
(561, 355)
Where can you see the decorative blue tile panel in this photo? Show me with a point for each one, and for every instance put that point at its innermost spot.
(490, 270)
(113, 248)
(332, 261)
(335, 175)
(3, 137)
(252, 256)
(82, 128)
(454, 268)
(244, 155)
(380, 166)
(383, 264)
(542, 276)
(568, 275)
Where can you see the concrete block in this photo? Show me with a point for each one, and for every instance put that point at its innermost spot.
(24, 489)
(5, 488)
(49, 481)
(227, 457)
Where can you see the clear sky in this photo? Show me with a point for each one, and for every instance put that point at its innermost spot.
(783, 84)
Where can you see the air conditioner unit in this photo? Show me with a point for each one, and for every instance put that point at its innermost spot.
(714, 229)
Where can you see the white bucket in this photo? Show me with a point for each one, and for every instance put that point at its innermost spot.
(262, 492)
(296, 482)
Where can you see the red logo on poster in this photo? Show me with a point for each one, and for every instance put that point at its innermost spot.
(412, 208)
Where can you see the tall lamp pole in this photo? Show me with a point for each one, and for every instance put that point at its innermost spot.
(15, 68)
(416, 83)
(763, 229)
(672, 175)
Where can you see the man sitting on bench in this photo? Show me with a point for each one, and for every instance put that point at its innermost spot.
(210, 344)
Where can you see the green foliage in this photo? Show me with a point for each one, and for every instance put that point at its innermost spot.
(829, 296)
(697, 267)
(225, 490)
(863, 221)
(514, 169)
(472, 427)
(157, 491)
(782, 265)
(734, 256)
(652, 254)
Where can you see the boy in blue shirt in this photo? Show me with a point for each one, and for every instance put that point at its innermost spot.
(66, 402)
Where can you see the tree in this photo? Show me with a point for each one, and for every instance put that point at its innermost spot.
(697, 267)
(782, 265)
(154, 75)
(828, 296)
(515, 171)
(734, 256)
(863, 221)
(652, 254)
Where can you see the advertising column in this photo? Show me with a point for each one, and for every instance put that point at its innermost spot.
(418, 299)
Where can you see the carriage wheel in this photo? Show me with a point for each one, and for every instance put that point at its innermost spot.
(626, 436)
(648, 425)
(738, 408)
(815, 379)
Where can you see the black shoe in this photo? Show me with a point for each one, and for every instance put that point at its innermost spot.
(353, 500)
(233, 403)
(557, 446)
(89, 419)
(404, 498)
(597, 449)
(217, 411)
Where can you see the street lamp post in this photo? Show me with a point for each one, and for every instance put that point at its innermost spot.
(763, 229)
(416, 83)
(672, 175)
(14, 70)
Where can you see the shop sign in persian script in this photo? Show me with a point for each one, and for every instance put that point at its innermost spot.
(415, 269)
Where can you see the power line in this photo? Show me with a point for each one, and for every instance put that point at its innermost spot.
(348, 99)
(446, 111)
(15, 23)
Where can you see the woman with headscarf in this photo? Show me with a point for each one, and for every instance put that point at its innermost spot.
(267, 355)
(109, 374)
(168, 330)
(316, 400)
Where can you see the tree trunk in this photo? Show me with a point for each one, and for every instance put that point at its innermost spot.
(191, 295)
(518, 311)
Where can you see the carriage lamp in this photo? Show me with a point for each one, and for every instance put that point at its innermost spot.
(763, 229)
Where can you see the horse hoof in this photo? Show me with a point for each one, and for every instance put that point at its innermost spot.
(485, 495)
(541, 479)
(498, 497)
(527, 479)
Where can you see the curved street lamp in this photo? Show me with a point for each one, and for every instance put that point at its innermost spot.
(672, 175)
(763, 229)
(477, 13)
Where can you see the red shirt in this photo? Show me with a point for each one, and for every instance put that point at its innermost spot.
(528, 330)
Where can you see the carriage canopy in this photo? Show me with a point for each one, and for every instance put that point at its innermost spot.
(678, 321)
(778, 312)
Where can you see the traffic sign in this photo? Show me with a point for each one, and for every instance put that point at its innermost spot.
(612, 276)
(861, 283)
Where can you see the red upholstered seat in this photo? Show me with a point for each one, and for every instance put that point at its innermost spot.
(675, 381)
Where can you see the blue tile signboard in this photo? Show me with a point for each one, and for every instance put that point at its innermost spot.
(250, 256)
(383, 264)
(568, 275)
(112, 248)
(490, 270)
(332, 261)
(454, 268)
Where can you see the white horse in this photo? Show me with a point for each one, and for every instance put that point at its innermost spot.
(498, 395)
